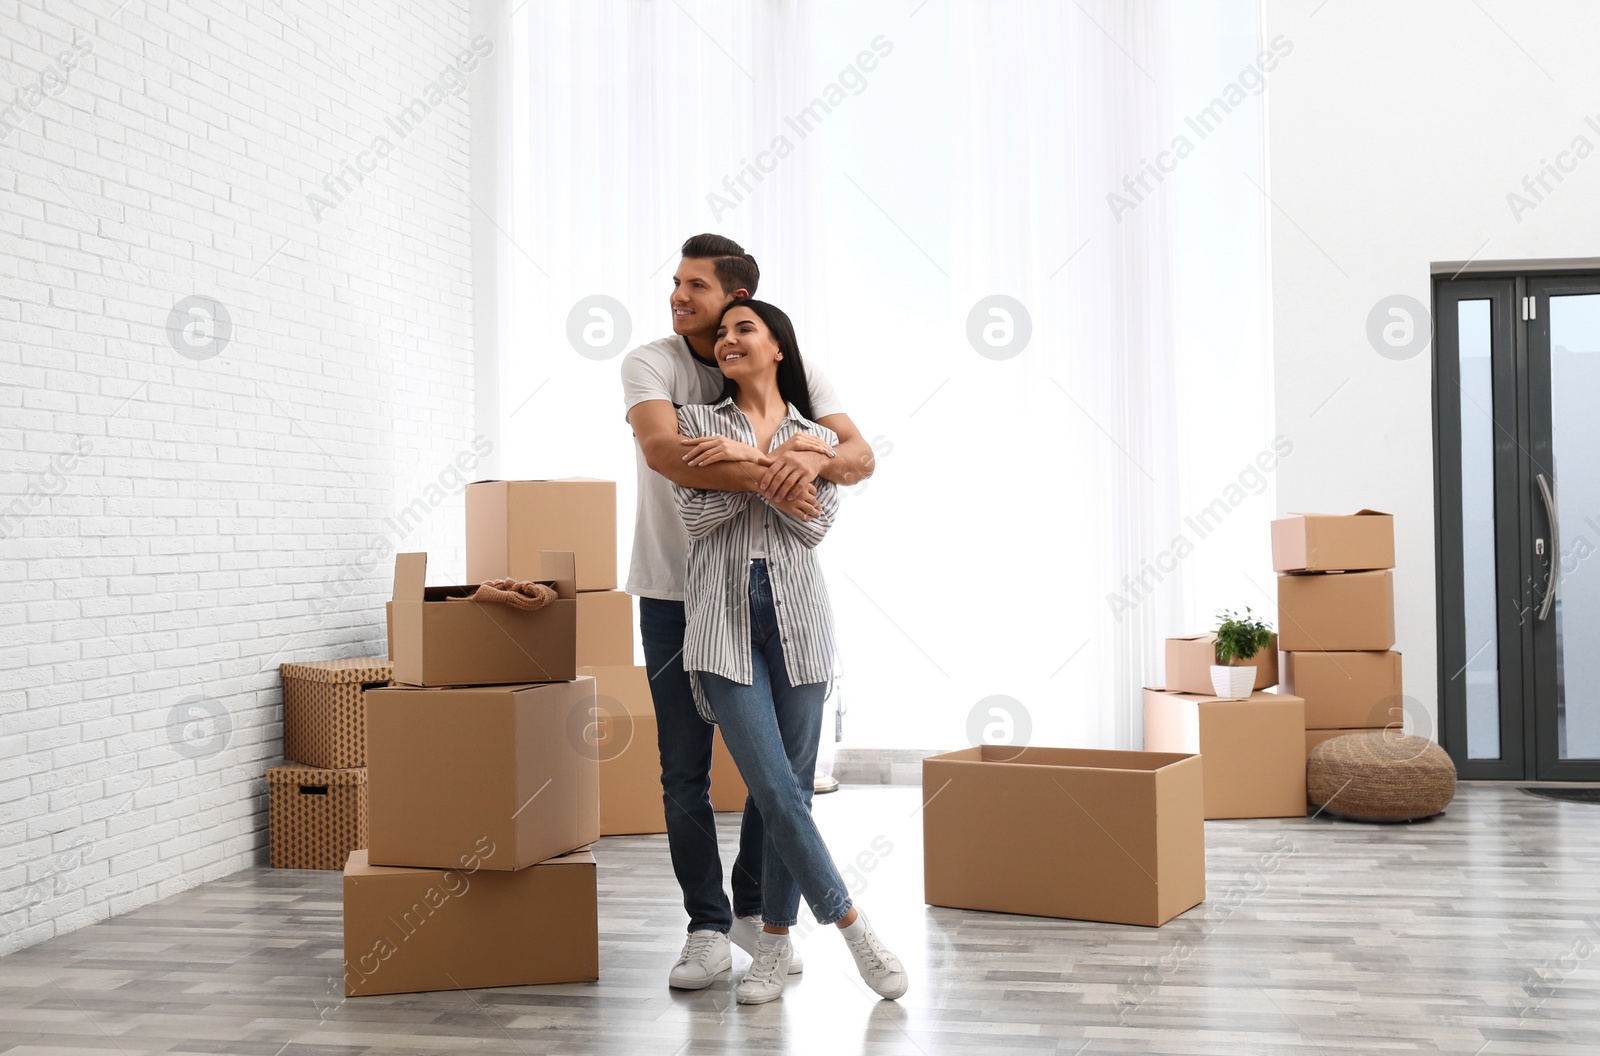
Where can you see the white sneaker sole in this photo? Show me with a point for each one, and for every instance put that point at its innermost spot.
(700, 984)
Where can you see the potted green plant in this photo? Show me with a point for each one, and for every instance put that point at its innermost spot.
(1239, 637)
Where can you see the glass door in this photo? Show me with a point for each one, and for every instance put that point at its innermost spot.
(1517, 364)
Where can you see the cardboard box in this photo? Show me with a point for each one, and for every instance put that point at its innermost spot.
(411, 930)
(1316, 737)
(439, 642)
(1336, 612)
(1064, 832)
(324, 711)
(510, 521)
(316, 816)
(630, 757)
(1254, 766)
(1320, 542)
(447, 768)
(728, 791)
(1189, 663)
(1346, 690)
(605, 628)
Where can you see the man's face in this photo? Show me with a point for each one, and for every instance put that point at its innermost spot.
(697, 297)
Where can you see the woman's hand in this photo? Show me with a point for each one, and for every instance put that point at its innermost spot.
(798, 460)
(706, 450)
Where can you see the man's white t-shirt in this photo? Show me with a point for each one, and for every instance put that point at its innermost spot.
(668, 370)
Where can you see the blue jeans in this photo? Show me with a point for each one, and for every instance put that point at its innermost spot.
(684, 739)
(771, 729)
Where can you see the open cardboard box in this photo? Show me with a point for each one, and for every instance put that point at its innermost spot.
(1322, 542)
(1189, 661)
(434, 641)
(1255, 764)
(1079, 833)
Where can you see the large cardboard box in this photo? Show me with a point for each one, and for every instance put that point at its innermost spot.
(1064, 832)
(324, 711)
(1336, 612)
(1320, 542)
(315, 816)
(1189, 663)
(605, 628)
(513, 765)
(728, 791)
(630, 757)
(410, 930)
(1254, 763)
(1346, 690)
(510, 521)
(435, 641)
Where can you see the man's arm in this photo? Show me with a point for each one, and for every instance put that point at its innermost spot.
(655, 426)
(852, 460)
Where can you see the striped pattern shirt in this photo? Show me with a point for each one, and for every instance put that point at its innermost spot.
(716, 593)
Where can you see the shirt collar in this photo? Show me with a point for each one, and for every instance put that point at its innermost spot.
(791, 411)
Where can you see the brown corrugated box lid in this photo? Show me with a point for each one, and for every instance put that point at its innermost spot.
(356, 669)
(295, 774)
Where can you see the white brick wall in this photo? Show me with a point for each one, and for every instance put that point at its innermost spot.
(173, 528)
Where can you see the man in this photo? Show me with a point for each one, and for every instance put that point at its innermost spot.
(656, 379)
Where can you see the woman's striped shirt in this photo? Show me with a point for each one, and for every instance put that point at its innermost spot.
(716, 594)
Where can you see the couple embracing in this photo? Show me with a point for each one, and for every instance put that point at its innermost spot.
(740, 449)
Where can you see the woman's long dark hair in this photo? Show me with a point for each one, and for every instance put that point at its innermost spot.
(792, 384)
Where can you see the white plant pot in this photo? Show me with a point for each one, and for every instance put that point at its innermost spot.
(1233, 683)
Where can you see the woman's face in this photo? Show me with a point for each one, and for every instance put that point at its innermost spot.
(745, 347)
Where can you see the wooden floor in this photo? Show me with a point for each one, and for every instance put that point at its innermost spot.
(1476, 933)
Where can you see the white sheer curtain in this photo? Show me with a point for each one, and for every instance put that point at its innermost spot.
(966, 150)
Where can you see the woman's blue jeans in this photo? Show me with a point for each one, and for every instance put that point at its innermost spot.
(771, 729)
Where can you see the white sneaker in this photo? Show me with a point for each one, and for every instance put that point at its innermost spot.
(746, 932)
(769, 971)
(705, 956)
(881, 969)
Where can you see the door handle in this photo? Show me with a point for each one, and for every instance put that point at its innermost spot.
(1555, 546)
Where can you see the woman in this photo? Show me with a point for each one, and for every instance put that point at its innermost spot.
(759, 641)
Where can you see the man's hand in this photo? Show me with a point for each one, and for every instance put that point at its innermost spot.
(797, 461)
(706, 450)
(803, 507)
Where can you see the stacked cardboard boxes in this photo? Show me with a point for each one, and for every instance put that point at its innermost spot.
(508, 523)
(318, 803)
(1336, 620)
(1254, 763)
(483, 796)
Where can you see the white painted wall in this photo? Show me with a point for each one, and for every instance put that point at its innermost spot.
(173, 528)
(1393, 140)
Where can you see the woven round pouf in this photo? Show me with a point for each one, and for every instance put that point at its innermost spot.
(1380, 776)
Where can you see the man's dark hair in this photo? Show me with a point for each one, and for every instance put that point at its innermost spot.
(735, 268)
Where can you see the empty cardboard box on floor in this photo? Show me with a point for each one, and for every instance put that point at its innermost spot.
(438, 639)
(412, 930)
(1064, 832)
(605, 628)
(1346, 690)
(1255, 766)
(1321, 542)
(315, 816)
(324, 711)
(1336, 612)
(512, 765)
(510, 521)
(630, 759)
(1189, 661)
